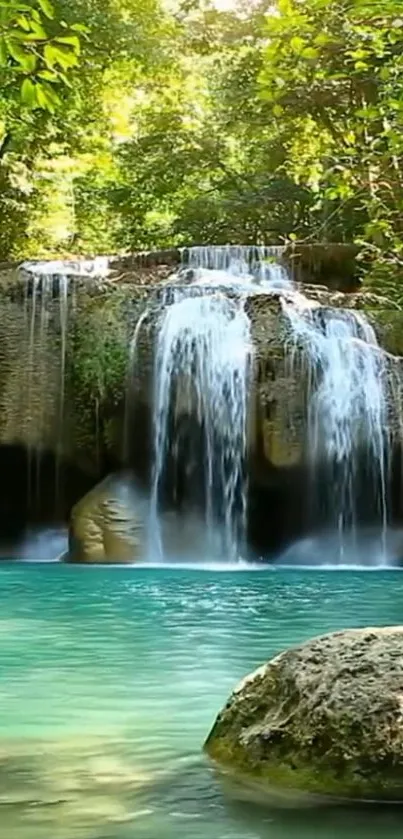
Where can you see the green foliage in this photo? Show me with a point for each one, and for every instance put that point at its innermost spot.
(36, 51)
(128, 126)
(340, 64)
(97, 369)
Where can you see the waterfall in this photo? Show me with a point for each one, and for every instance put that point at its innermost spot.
(250, 265)
(202, 367)
(48, 292)
(44, 287)
(347, 415)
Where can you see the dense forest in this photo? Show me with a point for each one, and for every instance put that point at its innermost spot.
(128, 124)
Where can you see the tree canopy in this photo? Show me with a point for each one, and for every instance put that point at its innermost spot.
(128, 124)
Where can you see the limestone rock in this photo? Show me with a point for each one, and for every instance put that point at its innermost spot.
(324, 718)
(107, 525)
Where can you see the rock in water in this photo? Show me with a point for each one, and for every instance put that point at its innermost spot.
(107, 525)
(324, 718)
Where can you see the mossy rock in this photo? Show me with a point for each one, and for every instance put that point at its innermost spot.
(324, 718)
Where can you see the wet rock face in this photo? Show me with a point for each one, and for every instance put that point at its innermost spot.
(323, 718)
(66, 393)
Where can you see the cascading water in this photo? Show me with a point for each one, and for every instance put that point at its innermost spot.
(347, 415)
(202, 369)
(47, 298)
(44, 284)
(202, 365)
(244, 265)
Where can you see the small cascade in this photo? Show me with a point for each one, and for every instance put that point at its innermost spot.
(347, 415)
(202, 366)
(202, 369)
(249, 265)
(49, 297)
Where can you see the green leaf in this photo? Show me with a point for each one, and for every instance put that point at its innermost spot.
(45, 102)
(30, 63)
(3, 53)
(297, 44)
(48, 76)
(52, 97)
(29, 93)
(47, 8)
(21, 56)
(80, 27)
(310, 53)
(24, 23)
(51, 55)
(278, 110)
(59, 56)
(16, 7)
(38, 31)
(72, 40)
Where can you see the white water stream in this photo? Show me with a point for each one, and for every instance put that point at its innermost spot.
(202, 368)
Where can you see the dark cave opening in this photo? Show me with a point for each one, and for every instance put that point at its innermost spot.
(37, 491)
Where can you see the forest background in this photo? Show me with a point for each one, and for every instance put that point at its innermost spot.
(142, 124)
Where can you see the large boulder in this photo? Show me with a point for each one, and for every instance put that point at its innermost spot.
(108, 524)
(324, 718)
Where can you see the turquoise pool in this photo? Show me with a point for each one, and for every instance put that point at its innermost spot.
(111, 678)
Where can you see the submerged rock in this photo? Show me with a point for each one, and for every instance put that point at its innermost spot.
(324, 718)
(107, 525)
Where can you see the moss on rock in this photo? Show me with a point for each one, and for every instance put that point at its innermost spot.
(96, 376)
(323, 718)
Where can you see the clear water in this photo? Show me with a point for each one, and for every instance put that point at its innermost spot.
(110, 679)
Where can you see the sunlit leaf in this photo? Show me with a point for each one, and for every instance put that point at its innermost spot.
(21, 55)
(29, 93)
(24, 23)
(47, 8)
(72, 40)
(310, 53)
(297, 44)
